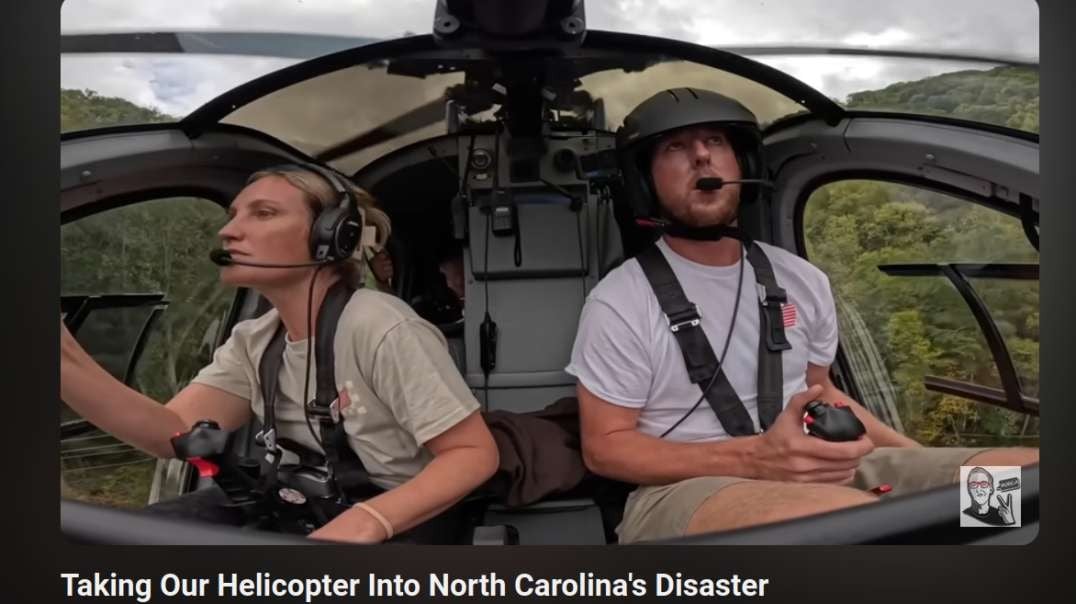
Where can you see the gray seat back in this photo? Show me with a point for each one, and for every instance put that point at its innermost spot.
(536, 280)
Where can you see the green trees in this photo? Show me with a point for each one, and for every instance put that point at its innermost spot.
(1006, 96)
(82, 109)
(921, 325)
(158, 246)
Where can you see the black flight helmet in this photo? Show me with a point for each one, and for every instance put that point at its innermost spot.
(679, 108)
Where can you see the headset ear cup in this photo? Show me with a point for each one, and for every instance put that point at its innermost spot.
(347, 235)
(323, 234)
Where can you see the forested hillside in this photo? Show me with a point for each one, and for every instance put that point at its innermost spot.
(920, 325)
(1007, 96)
(83, 109)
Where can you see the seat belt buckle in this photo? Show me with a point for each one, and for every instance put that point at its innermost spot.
(772, 318)
(770, 299)
(323, 412)
(684, 318)
(267, 439)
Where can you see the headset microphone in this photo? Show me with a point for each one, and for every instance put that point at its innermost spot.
(222, 257)
(712, 183)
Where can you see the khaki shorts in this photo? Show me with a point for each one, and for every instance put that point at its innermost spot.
(655, 512)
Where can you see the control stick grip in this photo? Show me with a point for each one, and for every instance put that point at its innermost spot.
(205, 439)
(836, 423)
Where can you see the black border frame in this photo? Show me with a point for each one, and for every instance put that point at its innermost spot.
(1038, 572)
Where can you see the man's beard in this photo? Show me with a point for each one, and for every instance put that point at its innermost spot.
(717, 213)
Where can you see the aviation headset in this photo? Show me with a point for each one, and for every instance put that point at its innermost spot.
(679, 108)
(337, 230)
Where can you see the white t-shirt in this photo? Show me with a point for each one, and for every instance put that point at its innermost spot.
(399, 385)
(625, 353)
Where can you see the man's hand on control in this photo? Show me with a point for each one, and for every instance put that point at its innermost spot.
(785, 453)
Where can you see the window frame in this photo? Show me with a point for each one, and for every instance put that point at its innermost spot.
(1011, 396)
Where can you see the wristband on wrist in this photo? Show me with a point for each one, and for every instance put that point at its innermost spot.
(377, 516)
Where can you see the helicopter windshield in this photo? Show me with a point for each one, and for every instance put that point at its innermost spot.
(861, 60)
(352, 116)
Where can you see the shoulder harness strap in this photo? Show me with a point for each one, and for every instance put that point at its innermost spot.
(269, 380)
(345, 467)
(684, 322)
(771, 340)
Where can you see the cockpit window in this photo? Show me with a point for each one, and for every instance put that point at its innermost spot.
(326, 113)
(623, 91)
(352, 116)
(900, 259)
(140, 298)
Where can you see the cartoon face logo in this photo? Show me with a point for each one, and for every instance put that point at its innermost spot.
(993, 497)
(980, 486)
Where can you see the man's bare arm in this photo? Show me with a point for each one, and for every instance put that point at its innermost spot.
(613, 447)
(879, 432)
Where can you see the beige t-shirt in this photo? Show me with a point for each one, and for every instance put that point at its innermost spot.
(402, 387)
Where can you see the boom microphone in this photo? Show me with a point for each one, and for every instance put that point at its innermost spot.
(712, 183)
(222, 257)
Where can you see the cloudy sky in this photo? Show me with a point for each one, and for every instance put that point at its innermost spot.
(177, 84)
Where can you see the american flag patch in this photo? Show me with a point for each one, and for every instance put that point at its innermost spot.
(788, 314)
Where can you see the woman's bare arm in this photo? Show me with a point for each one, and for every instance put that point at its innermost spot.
(133, 417)
(465, 457)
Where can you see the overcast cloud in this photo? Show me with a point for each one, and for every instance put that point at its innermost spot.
(177, 84)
